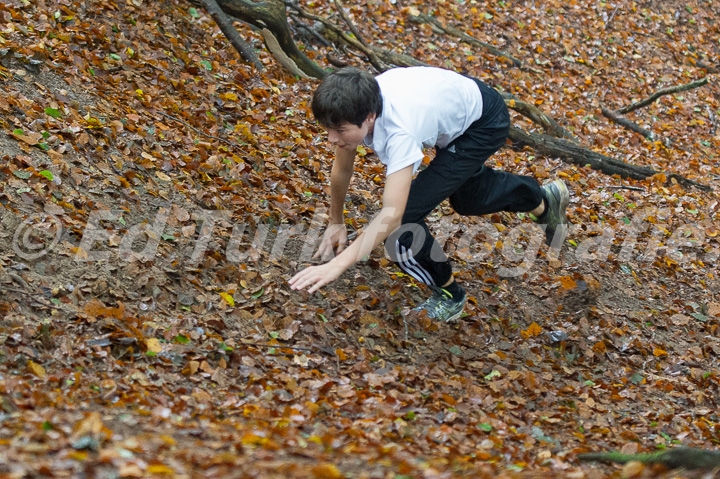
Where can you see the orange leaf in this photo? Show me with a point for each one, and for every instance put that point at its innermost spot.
(659, 353)
(534, 329)
(568, 283)
(326, 471)
(37, 370)
(599, 347)
(160, 469)
(341, 354)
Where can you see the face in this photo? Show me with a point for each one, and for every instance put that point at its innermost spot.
(348, 136)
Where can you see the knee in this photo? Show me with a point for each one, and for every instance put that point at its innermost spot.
(405, 239)
(459, 206)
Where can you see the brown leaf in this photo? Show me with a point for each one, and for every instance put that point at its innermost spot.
(326, 471)
(31, 138)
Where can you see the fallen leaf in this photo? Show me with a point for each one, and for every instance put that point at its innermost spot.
(326, 471)
(37, 370)
(153, 345)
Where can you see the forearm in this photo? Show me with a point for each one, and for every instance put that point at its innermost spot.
(387, 221)
(342, 171)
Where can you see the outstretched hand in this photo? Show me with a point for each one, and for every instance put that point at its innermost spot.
(315, 277)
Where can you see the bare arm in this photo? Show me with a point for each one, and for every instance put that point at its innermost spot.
(342, 171)
(397, 188)
(336, 232)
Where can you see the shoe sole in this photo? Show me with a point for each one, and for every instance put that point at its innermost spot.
(564, 195)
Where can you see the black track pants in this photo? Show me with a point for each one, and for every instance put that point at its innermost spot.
(458, 173)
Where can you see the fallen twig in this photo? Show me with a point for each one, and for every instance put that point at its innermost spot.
(284, 346)
(664, 91)
(625, 187)
(162, 113)
(630, 125)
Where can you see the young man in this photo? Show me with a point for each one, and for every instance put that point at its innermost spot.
(397, 114)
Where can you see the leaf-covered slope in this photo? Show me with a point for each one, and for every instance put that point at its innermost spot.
(173, 187)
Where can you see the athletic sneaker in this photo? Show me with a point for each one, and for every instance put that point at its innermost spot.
(442, 306)
(557, 198)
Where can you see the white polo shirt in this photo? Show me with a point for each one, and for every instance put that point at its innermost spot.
(423, 107)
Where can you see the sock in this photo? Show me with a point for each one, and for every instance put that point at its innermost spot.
(455, 290)
(539, 219)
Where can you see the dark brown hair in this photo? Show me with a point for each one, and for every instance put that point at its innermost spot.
(347, 95)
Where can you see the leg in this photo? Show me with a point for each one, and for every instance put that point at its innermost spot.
(490, 191)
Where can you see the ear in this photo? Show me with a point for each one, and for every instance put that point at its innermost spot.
(370, 118)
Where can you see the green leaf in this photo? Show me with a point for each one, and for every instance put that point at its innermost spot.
(486, 427)
(167, 237)
(410, 415)
(225, 347)
(53, 112)
(150, 353)
(115, 56)
(18, 132)
(258, 294)
(22, 174)
(699, 316)
(181, 339)
(636, 379)
(47, 426)
(457, 351)
(626, 269)
(194, 13)
(206, 64)
(274, 334)
(47, 174)
(495, 373)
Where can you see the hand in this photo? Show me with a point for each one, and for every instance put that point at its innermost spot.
(335, 234)
(315, 277)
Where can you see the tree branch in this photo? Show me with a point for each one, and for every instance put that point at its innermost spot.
(274, 47)
(379, 65)
(422, 18)
(664, 91)
(630, 125)
(550, 126)
(582, 156)
(226, 26)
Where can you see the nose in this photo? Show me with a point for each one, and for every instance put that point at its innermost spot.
(333, 137)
